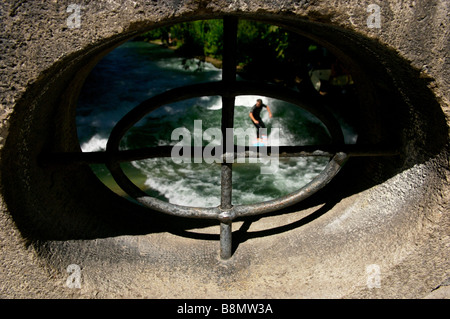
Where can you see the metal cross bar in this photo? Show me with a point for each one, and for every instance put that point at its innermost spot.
(101, 157)
(228, 78)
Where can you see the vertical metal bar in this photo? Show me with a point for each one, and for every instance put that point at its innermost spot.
(225, 240)
(229, 48)
(228, 77)
(226, 186)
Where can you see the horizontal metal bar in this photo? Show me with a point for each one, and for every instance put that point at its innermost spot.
(353, 150)
(222, 88)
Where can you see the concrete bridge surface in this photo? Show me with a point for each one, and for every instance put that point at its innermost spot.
(379, 230)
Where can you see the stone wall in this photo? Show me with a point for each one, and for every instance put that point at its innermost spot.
(392, 213)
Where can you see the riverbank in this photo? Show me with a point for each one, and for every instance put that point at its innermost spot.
(243, 70)
(214, 61)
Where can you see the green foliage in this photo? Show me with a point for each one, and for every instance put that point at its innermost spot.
(199, 38)
(263, 50)
(250, 41)
(155, 34)
(213, 45)
(270, 52)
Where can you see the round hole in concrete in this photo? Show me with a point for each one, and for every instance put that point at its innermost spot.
(382, 197)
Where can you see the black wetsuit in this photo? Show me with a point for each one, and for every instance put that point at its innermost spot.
(256, 111)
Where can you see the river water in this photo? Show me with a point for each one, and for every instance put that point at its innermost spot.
(137, 71)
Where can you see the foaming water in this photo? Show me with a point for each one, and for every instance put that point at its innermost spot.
(95, 144)
(137, 71)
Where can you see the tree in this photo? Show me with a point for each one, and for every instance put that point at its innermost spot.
(263, 51)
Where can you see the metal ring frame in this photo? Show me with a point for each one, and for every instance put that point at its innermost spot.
(228, 88)
(225, 213)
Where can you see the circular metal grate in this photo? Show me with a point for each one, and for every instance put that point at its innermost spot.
(228, 88)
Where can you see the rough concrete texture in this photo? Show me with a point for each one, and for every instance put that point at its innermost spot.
(391, 213)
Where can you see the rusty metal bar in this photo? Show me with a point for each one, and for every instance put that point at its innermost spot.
(228, 100)
(352, 150)
(226, 240)
(230, 25)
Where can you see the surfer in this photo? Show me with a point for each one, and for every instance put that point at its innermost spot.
(255, 115)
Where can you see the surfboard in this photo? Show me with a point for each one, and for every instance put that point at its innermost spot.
(261, 142)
